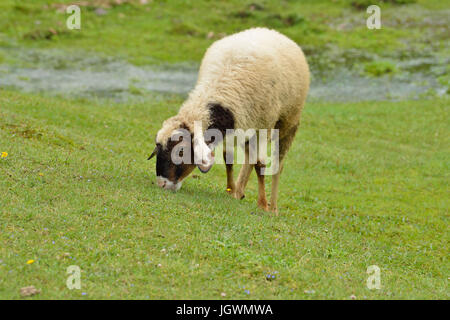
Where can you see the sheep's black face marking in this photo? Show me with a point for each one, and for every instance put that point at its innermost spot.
(221, 118)
(163, 163)
(166, 169)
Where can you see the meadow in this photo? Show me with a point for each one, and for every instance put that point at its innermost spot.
(365, 183)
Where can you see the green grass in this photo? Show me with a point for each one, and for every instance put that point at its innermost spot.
(364, 184)
(177, 30)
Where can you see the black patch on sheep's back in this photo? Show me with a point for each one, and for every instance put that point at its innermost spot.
(278, 124)
(221, 118)
(185, 127)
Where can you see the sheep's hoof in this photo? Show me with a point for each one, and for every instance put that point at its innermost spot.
(238, 195)
(263, 205)
(273, 210)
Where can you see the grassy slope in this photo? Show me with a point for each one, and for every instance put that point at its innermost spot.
(365, 183)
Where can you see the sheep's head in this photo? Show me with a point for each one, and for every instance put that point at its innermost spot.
(178, 153)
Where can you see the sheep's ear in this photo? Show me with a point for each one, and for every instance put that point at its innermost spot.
(203, 156)
(155, 151)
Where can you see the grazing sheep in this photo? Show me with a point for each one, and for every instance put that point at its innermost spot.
(256, 79)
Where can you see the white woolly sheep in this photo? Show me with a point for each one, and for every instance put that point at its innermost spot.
(256, 79)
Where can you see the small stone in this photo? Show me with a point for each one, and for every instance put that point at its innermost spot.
(100, 11)
(29, 291)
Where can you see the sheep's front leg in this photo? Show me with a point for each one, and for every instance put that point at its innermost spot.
(244, 175)
(262, 201)
(231, 187)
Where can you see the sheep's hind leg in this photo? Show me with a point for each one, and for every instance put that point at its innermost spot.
(262, 201)
(274, 195)
(284, 146)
